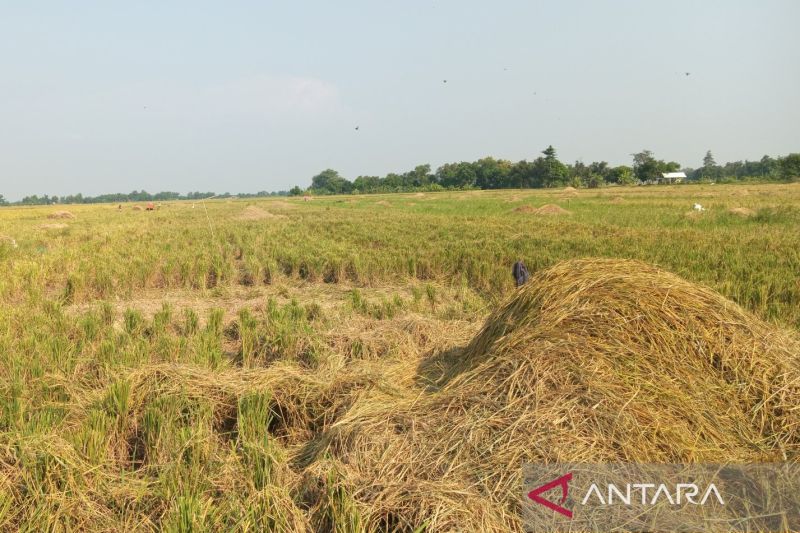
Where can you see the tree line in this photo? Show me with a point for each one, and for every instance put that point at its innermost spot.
(548, 171)
(487, 173)
(135, 196)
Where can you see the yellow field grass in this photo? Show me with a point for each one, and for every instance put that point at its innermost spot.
(366, 362)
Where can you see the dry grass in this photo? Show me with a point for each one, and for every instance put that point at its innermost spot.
(594, 360)
(744, 212)
(53, 226)
(280, 204)
(547, 210)
(61, 215)
(252, 212)
(338, 373)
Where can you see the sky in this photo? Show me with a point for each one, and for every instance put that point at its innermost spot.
(243, 96)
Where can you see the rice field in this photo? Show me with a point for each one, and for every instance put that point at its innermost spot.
(357, 363)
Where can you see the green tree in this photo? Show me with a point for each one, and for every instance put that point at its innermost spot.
(419, 177)
(645, 166)
(295, 191)
(553, 172)
(368, 184)
(769, 166)
(492, 173)
(789, 167)
(522, 175)
(600, 168)
(330, 182)
(457, 175)
(622, 174)
(710, 169)
(3, 201)
(579, 174)
(594, 181)
(708, 160)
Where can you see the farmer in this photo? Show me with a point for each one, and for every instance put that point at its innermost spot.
(520, 273)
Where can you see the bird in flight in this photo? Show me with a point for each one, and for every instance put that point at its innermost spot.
(444, 81)
(687, 73)
(357, 128)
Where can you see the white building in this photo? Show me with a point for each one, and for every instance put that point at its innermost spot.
(671, 177)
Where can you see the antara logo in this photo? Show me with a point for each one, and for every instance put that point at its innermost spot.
(689, 493)
(562, 482)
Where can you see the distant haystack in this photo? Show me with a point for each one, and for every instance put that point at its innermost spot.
(743, 212)
(61, 215)
(547, 210)
(252, 212)
(569, 192)
(552, 209)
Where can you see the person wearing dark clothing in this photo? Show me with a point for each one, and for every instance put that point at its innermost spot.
(521, 273)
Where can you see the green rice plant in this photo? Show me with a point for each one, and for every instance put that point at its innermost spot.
(260, 453)
(117, 400)
(95, 434)
(107, 313)
(248, 337)
(189, 514)
(133, 321)
(162, 319)
(191, 322)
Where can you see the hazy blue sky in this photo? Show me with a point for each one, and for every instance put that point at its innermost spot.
(103, 96)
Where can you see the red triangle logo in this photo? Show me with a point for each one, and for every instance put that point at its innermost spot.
(562, 482)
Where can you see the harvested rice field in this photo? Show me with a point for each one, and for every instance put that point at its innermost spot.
(366, 363)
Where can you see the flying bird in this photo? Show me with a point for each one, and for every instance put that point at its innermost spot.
(444, 81)
(687, 73)
(357, 128)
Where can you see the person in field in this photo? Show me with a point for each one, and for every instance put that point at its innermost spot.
(520, 273)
